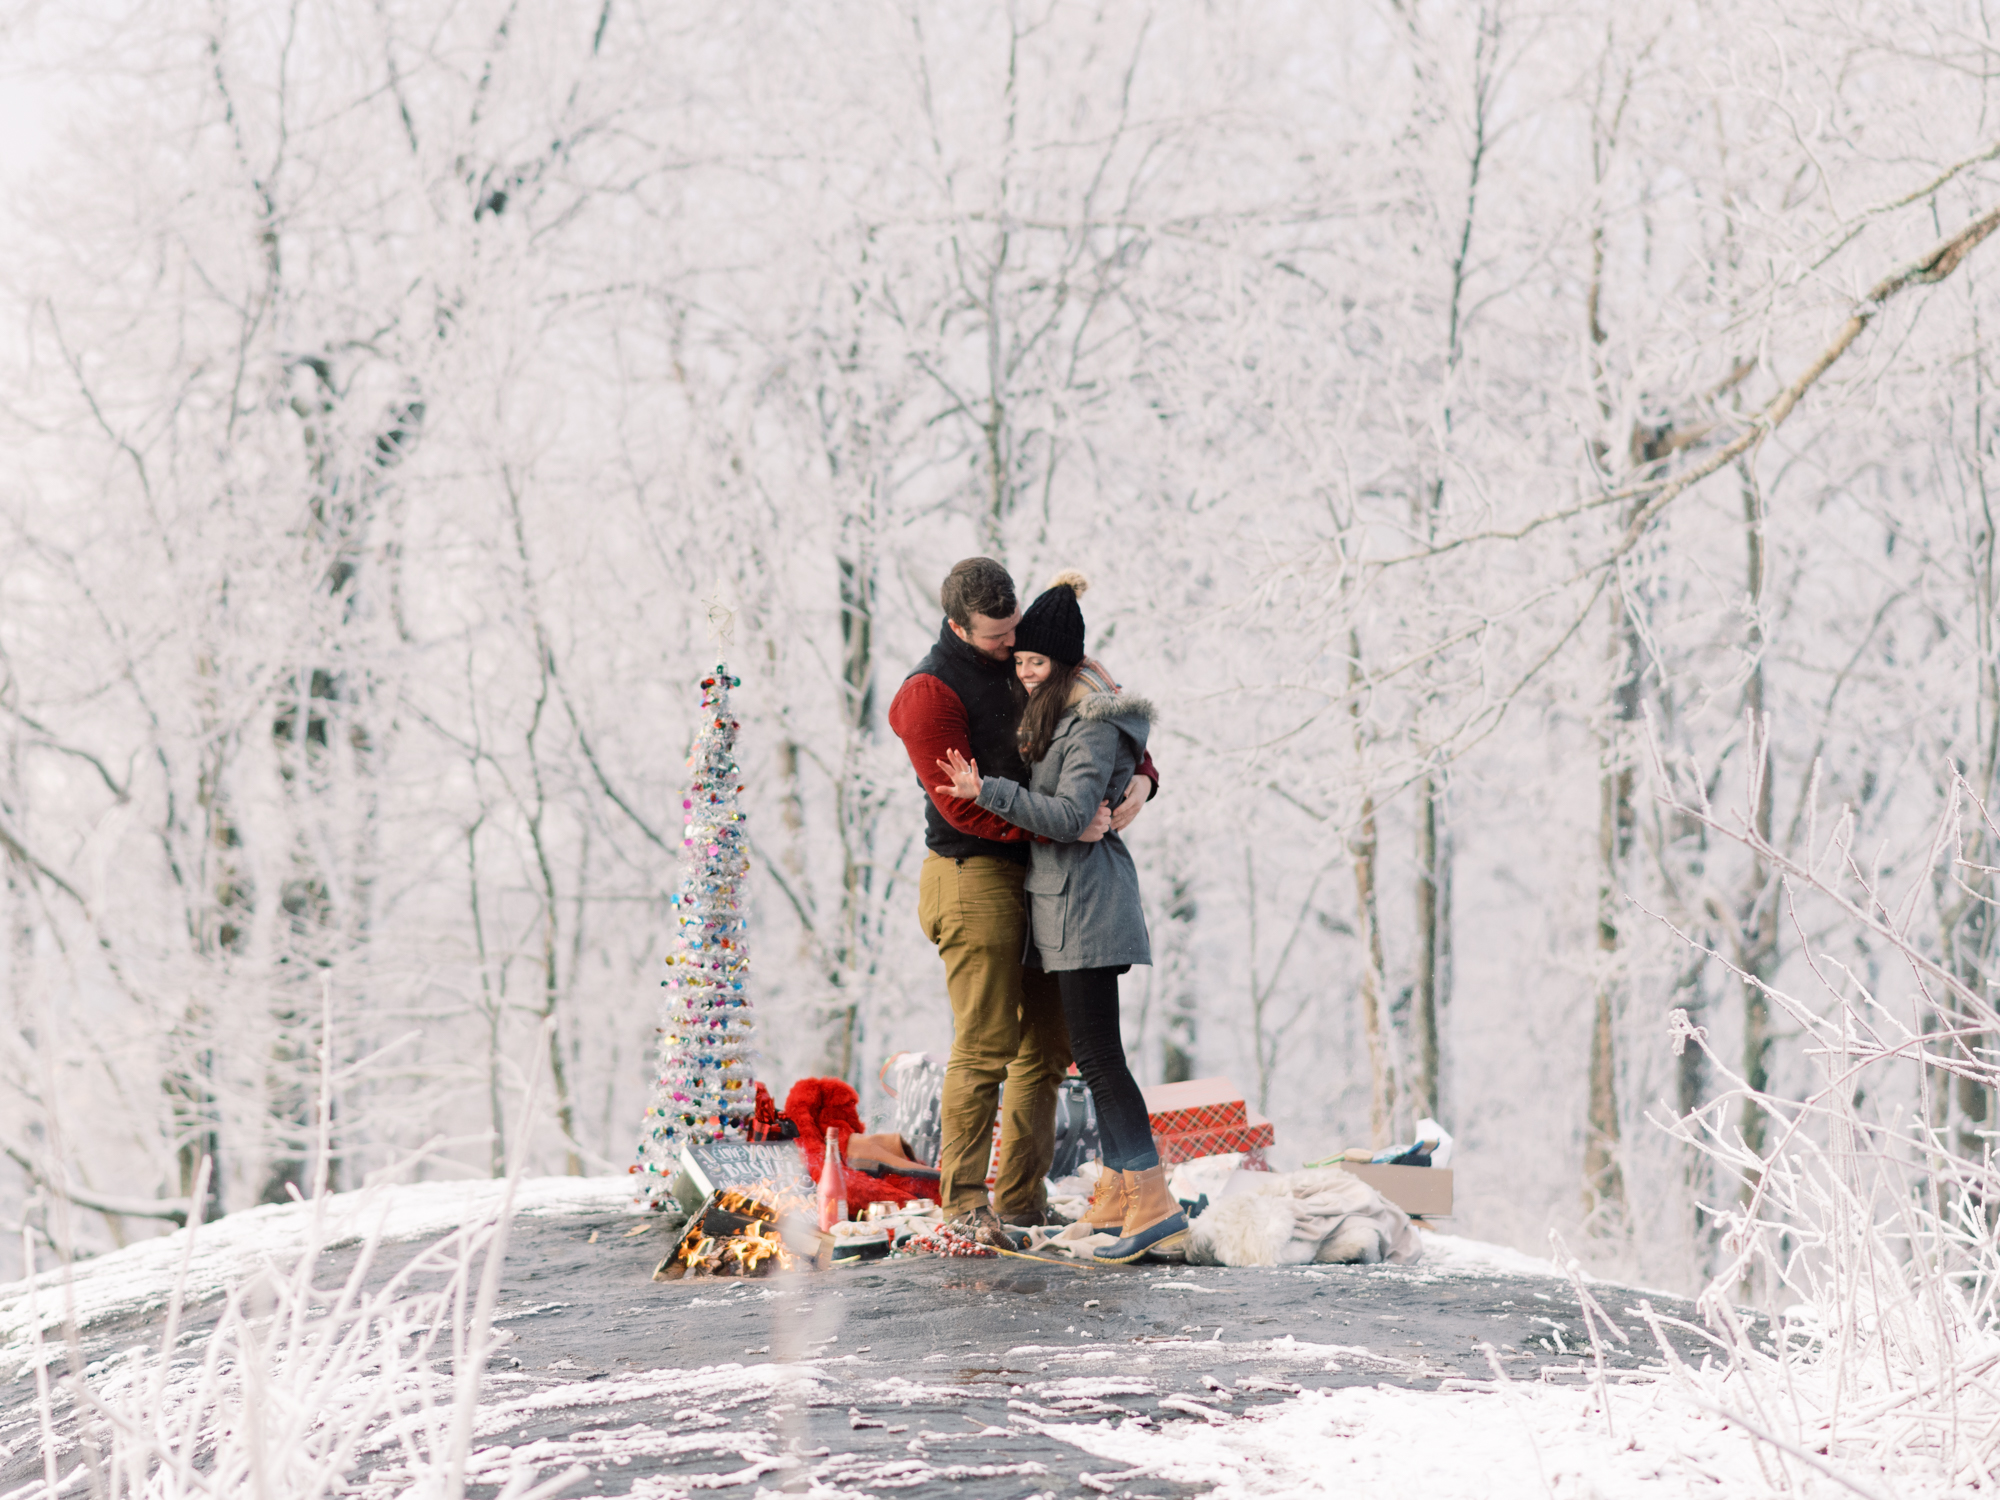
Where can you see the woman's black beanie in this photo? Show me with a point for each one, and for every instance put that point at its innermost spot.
(1053, 625)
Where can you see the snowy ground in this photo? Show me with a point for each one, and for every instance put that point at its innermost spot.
(972, 1378)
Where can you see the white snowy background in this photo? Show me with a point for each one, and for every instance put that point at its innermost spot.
(1496, 432)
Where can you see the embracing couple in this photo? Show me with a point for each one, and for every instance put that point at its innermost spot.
(1033, 761)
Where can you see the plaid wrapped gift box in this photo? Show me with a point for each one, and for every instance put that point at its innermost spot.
(1201, 1117)
(1196, 1105)
(1253, 1135)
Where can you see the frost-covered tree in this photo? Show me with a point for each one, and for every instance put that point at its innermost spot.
(1480, 423)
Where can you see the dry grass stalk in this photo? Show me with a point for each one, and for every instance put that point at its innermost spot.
(1867, 1240)
(297, 1389)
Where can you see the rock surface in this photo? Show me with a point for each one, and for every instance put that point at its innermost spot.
(927, 1376)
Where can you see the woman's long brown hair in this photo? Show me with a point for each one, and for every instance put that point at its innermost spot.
(1046, 706)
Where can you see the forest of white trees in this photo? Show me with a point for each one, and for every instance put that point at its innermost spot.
(1516, 446)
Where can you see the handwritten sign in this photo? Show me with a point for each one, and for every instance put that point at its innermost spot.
(776, 1167)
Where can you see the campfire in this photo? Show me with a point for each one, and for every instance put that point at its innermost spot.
(732, 1235)
(741, 1254)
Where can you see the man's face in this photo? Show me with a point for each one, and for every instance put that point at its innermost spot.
(988, 636)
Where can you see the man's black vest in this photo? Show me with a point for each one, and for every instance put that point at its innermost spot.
(992, 714)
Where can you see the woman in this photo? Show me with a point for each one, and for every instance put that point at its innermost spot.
(1085, 921)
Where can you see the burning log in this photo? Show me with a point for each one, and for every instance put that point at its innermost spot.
(732, 1234)
(734, 1202)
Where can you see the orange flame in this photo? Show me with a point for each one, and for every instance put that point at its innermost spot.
(747, 1252)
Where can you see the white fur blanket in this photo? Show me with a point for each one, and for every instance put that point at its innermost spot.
(1290, 1218)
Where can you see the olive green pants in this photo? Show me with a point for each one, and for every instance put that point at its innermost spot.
(1007, 1024)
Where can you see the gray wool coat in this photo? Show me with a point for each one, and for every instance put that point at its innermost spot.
(1083, 899)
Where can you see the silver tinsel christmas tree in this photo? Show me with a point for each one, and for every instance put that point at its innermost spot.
(705, 1090)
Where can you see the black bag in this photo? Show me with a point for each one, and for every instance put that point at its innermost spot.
(916, 1082)
(1077, 1139)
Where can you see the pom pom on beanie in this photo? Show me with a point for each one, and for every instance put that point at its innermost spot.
(1072, 580)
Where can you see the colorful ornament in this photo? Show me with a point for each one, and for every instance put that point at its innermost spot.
(706, 1051)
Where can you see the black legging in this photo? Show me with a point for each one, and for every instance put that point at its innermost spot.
(1090, 1008)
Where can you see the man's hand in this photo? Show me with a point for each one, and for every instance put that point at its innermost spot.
(1137, 790)
(1098, 826)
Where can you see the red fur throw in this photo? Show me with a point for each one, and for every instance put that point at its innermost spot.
(826, 1106)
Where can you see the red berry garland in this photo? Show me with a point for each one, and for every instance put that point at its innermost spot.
(945, 1240)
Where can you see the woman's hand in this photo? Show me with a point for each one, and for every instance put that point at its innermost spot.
(964, 776)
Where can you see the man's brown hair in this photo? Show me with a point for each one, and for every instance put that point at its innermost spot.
(977, 586)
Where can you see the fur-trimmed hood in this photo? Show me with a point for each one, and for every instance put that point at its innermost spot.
(1098, 707)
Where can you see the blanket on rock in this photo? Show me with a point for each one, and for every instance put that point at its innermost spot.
(1291, 1218)
(822, 1107)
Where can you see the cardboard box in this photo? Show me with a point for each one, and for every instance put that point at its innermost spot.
(1420, 1192)
(1254, 1134)
(1198, 1104)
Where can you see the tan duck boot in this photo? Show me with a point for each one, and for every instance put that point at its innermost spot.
(1108, 1202)
(1154, 1223)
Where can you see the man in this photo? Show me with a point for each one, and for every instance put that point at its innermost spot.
(1006, 1021)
